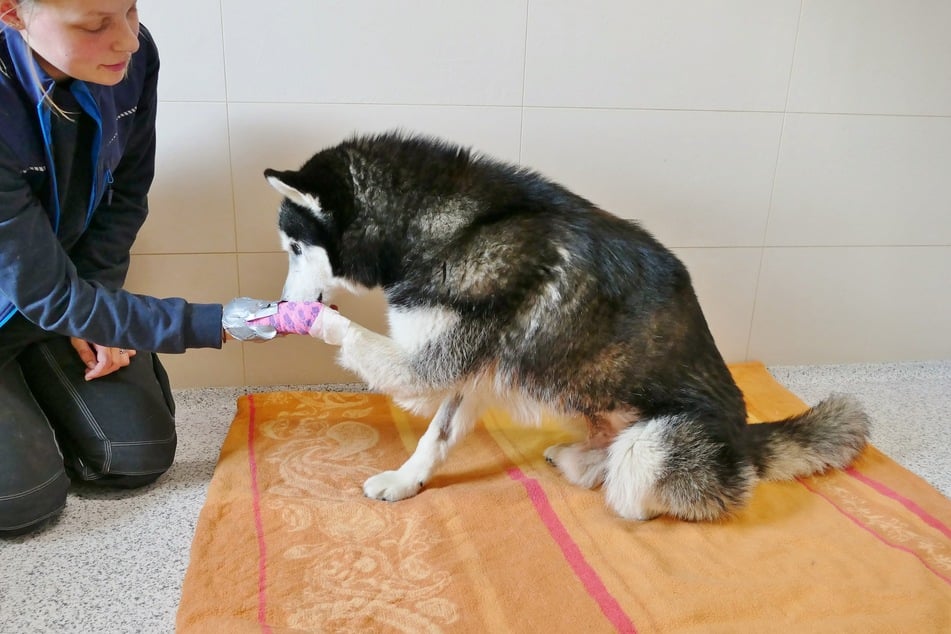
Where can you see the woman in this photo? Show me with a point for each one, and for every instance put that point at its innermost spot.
(77, 145)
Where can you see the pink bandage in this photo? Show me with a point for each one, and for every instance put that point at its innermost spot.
(290, 317)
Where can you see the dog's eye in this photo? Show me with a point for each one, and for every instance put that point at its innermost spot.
(295, 248)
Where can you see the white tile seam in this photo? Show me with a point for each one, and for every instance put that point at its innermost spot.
(523, 106)
(231, 176)
(772, 189)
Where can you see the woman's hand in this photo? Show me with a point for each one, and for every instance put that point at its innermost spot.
(100, 360)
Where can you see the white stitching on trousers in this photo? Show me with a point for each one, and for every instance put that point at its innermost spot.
(87, 414)
(13, 496)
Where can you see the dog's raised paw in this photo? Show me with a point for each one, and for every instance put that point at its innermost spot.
(391, 486)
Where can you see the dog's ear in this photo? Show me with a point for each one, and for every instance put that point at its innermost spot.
(285, 184)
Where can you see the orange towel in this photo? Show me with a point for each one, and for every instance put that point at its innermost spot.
(499, 542)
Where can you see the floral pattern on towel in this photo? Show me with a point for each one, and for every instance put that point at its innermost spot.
(375, 560)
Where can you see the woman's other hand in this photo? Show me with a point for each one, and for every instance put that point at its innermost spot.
(100, 360)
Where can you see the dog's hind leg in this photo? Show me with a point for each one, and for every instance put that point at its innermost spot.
(453, 420)
(673, 465)
(585, 463)
(579, 462)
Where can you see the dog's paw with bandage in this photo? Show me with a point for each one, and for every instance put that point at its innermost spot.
(301, 318)
(330, 326)
(285, 318)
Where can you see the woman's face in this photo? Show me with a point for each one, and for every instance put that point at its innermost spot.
(90, 40)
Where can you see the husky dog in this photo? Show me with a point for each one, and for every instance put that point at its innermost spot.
(507, 290)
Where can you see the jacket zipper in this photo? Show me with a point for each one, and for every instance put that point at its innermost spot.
(109, 182)
(46, 128)
(86, 101)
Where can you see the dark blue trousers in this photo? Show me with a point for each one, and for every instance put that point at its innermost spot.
(118, 430)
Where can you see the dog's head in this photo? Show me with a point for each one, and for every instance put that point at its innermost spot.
(311, 218)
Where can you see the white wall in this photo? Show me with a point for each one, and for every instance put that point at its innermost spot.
(796, 154)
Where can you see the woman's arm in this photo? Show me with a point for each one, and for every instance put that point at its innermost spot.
(39, 278)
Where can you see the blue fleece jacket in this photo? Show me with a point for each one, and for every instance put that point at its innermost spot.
(63, 269)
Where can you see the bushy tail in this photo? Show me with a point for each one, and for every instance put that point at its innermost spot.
(830, 435)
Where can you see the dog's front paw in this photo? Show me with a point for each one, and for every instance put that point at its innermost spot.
(391, 486)
(330, 326)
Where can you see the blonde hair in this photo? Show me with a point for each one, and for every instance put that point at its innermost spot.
(34, 67)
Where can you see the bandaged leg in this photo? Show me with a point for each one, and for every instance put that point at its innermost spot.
(288, 317)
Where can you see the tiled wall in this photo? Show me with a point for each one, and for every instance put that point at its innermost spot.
(796, 154)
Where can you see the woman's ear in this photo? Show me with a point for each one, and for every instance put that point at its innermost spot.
(10, 15)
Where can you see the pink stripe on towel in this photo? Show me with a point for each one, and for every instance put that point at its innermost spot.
(258, 523)
(858, 522)
(908, 504)
(592, 582)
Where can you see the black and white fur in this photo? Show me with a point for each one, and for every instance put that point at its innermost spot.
(507, 290)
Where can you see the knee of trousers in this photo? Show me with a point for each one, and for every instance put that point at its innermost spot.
(21, 511)
(141, 461)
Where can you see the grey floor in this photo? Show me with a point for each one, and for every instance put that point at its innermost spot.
(113, 563)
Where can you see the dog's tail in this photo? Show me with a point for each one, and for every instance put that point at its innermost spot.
(829, 435)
